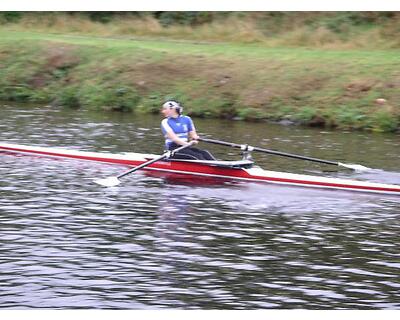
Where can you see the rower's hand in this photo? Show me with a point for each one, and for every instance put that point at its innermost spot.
(194, 141)
(195, 137)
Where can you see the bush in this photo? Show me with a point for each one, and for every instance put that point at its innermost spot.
(19, 93)
(189, 18)
(101, 16)
(280, 112)
(340, 21)
(383, 121)
(152, 103)
(119, 99)
(9, 17)
(349, 117)
(253, 114)
(305, 115)
(68, 97)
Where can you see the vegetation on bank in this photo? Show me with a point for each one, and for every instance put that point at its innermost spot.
(349, 89)
(331, 30)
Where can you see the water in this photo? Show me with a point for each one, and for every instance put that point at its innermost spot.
(154, 243)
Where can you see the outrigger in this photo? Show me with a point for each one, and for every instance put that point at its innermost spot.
(244, 169)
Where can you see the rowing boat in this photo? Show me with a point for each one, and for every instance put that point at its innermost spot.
(237, 170)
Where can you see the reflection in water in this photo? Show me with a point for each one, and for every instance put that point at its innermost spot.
(170, 231)
(172, 214)
(153, 242)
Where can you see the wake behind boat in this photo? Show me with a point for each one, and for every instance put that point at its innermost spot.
(244, 170)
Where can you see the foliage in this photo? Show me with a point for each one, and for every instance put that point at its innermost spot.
(383, 121)
(108, 98)
(214, 105)
(188, 18)
(101, 16)
(10, 17)
(349, 117)
(342, 21)
(252, 114)
(305, 114)
(68, 97)
(19, 93)
(151, 103)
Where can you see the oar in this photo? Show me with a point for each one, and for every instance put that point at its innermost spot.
(114, 181)
(246, 147)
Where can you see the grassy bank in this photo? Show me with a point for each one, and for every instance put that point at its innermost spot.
(351, 89)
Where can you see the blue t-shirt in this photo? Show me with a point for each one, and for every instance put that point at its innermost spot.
(181, 126)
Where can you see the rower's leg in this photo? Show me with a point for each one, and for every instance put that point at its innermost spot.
(192, 153)
(207, 155)
(197, 153)
(183, 156)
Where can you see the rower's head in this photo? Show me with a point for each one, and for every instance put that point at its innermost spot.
(171, 108)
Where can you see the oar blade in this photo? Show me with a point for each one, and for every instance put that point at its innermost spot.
(108, 182)
(355, 167)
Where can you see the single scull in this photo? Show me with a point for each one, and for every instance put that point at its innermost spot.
(238, 170)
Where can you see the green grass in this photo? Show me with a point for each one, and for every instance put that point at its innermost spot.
(336, 88)
(255, 51)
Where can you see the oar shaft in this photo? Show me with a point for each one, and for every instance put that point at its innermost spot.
(295, 156)
(163, 156)
(223, 143)
(143, 165)
(245, 147)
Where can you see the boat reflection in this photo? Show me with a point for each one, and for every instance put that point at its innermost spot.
(190, 180)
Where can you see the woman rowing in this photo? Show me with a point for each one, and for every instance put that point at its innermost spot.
(178, 130)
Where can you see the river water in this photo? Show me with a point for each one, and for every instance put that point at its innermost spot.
(155, 243)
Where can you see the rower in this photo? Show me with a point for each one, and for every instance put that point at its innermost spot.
(178, 130)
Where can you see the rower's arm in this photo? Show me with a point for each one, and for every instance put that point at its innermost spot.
(171, 135)
(192, 131)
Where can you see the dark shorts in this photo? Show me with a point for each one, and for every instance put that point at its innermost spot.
(191, 153)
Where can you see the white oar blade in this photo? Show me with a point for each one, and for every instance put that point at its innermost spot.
(108, 182)
(355, 167)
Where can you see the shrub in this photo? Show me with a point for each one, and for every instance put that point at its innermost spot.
(120, 99)
(101, 16)
(152, 103)
(253, 114)
(305, 115)
(189, 18)
(19, 93)
(349, 117)
(68, 97)
(281, 112)
(341, 21)
(10, 17)
(221, 105)
(383, 121)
